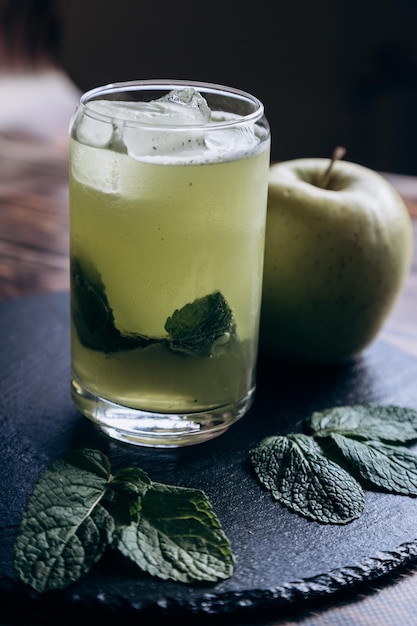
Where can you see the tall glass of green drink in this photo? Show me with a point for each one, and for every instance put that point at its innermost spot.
(168, 193)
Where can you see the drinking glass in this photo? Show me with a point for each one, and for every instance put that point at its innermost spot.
(168, 194)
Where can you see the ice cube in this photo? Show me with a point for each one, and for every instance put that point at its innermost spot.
(179, 108)
(237, 141)
(92, 130)
(103, 121)
(189, 105)
(147, 129)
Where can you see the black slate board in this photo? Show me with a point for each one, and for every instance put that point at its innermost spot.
(282, 558)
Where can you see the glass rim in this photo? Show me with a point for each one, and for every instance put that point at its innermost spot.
(167, 85)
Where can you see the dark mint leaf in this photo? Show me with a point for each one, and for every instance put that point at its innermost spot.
(131, 480)
(124, 496)
(299, 476)
(89, 460)
(64, 528)
(391, 424)
(198, 327)
(177, 536)
(92, 315)
(391, 468)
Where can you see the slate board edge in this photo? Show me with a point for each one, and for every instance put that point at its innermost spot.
(19, 599)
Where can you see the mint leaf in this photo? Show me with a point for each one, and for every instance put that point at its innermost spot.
(132, 482)
(391, 424)
(387, 467)
(92, 315)
(177, 536)
(64, 528)
(124, 496)
(298, 474)
(90, 461)
(198, 327)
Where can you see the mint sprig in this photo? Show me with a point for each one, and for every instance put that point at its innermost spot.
(199, 328)
(322, 475)
(78, 510)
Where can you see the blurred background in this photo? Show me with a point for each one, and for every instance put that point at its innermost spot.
(329, 72)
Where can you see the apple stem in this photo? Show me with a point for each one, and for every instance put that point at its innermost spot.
(338, 153)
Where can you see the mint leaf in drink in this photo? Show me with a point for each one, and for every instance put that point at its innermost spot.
(65, 529)
(376, 464)
(198, 327)
(176, 535)
(391, 424)
(299, 475)
(92, 315)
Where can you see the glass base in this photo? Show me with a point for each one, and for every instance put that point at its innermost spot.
(157, 430)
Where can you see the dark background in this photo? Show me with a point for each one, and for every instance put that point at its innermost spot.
(329, 72)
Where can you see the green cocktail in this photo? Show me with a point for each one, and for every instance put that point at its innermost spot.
(167, 237)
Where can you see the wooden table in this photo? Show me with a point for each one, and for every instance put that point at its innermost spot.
(34, 259)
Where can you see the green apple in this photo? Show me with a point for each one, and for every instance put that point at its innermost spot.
(338, 248)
